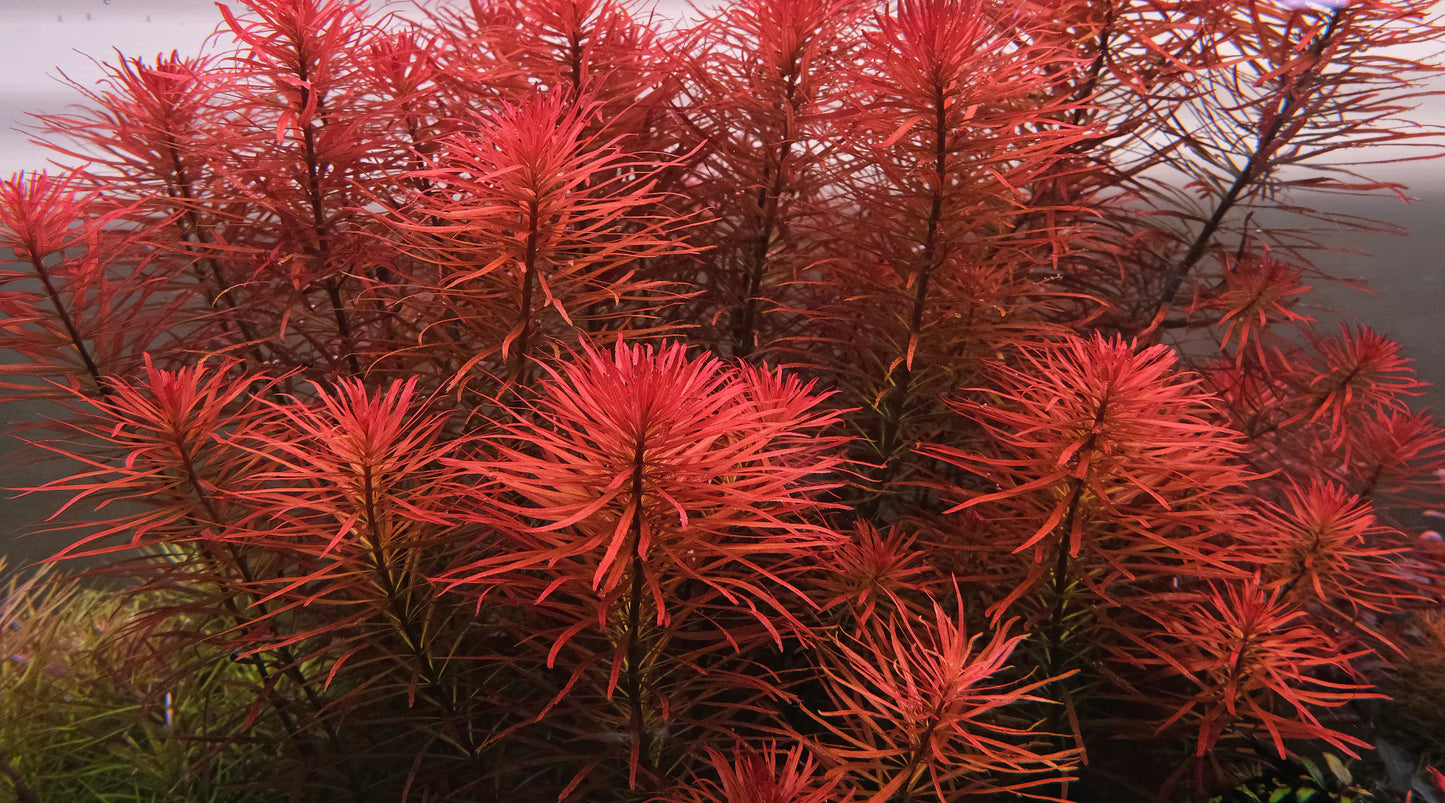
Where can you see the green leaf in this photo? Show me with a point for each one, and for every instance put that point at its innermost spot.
(1314, 770)
(1342, 773)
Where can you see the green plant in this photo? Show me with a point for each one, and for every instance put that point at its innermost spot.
(1301, 781)
(817, 400)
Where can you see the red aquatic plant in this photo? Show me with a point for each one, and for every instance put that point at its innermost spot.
(1325, 545)
(1252, 663)
(83, 305)
(875, 573)
(937, 144)
(1101, 455)
(917, 711)
(767, 84)
(749, 776)
(529, 232)
(668, 497)
(800, 401)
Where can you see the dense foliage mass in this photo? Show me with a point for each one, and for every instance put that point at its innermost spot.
(812, 401)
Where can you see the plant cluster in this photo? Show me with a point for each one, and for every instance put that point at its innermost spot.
(1304, 782)
(814, 400)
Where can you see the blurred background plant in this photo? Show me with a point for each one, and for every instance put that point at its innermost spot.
(97, 704)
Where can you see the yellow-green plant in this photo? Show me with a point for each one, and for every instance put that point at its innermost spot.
(89, 712)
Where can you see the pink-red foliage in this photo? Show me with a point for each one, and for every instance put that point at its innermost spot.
(750, 776)
(917, 710)
(1100, 455)
(1253, 664)
(417, 366)
(663, 505)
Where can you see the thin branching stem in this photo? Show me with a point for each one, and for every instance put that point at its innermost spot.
(768, 200)
(192, 230)
(91, 368)
(521, 366)
(290, 666)
(402, 616)
(323, 253)
(637, 726)
(890, 425)
(1254, 167)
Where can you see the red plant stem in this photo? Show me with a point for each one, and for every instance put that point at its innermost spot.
(745, 334)
(575, 38)
(191, 230)
(633, 679)
(1265, 145)
(401, 616)
(1236, 669)
(905, 794)
(290, 666)
(529, 278)
(1055, 624)
(69, 324)
(319, 225)
(890, 425)
(1054, 627)
(343, 323)
(1096, 69)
